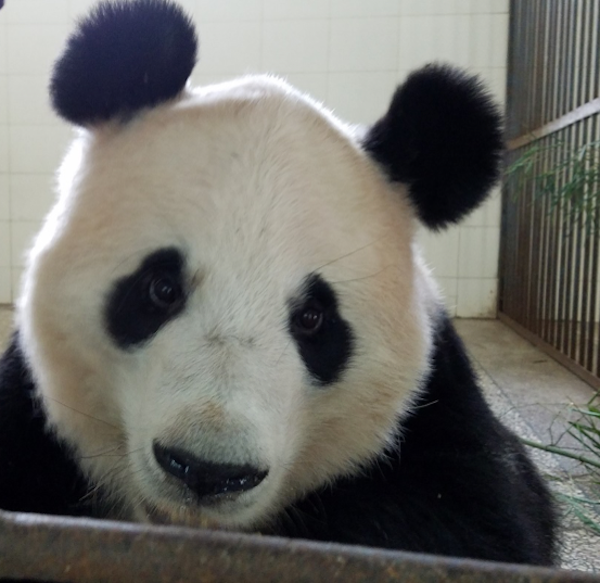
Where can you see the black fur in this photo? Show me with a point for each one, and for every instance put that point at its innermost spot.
(457, 483)
(124, 56)
(37, 474)
(131, 316)
(442, 136)
(326, 353)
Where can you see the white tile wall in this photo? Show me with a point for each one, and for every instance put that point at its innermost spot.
(38, 12)
(360, 95)
(32, 48)
(21, 234)
(350, 54)
(476, 297)
(4, 198)
(478, 252)
(5, 259)
(441, 251)
(295, 46)
(294, 10)
(364, 44)
(31, 195)
(363, 9)
(217, 36)
(37, 149)
(3, 46)
(3, 97)
(226, 11)
(449, 288)
(4, 131)
(28, 101)
(14, 284)
(5, 283)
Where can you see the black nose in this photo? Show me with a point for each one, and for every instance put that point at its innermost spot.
(206, 478)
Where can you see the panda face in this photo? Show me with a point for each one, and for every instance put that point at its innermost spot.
(225, 308)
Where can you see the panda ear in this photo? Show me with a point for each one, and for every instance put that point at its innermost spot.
(442, 137)
(124, 56)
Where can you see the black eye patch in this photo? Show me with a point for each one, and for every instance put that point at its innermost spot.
(142, 302)
(324, 339)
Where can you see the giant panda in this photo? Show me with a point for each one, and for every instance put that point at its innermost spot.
(225, 321)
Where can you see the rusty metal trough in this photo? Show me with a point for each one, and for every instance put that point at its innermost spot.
(46, 548)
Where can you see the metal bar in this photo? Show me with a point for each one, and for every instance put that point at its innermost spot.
(563, 265)
(535, 251)
(545, 19)
(63, 549)
(591, 66)
(512, 89)
(562, 32)
(582, 324)
(542, 203)
(545, 257)
(554, 257)
(593, 78)
(535, 248)
(595, 93)
(584, 72)
(552, 51)
(594, 323)
(515, 107)
(576, 252)
(586, 333)
(509, 278)
(523, 250)
(586, 110)
(569, 57)
(523, 67)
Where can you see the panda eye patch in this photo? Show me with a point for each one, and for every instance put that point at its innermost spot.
(144, 301)
(323, 338)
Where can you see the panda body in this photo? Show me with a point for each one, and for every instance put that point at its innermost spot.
(225, 320)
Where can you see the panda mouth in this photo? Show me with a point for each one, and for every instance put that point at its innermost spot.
(222, 511)
(181, 515)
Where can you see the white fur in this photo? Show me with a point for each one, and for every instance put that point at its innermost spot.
(259, 187)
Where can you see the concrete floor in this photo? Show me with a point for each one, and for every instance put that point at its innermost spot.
(530, 392)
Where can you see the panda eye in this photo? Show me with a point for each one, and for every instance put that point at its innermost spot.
(324, 340)
(309, 320)
(164, 293)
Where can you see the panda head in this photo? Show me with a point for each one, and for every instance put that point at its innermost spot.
(226, 309)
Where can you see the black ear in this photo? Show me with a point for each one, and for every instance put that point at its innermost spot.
(124, 56)
(442, 136)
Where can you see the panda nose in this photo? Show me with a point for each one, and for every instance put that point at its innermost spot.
(206, 478)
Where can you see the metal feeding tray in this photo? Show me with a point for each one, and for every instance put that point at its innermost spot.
(46, 548)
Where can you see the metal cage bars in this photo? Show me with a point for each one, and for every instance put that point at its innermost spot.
(550, 247)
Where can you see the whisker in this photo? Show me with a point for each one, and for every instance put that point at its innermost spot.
(357, 250)
(364, 277)
(282, 353)
(83, 414)
(107, 455)
(102, 485)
